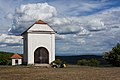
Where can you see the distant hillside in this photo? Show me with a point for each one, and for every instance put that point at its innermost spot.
(74, 59)
(2, 52)
(8, 53)
(5, 54)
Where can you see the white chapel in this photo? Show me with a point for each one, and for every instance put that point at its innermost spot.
(39, 44)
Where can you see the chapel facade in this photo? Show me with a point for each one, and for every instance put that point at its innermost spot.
(39, 44)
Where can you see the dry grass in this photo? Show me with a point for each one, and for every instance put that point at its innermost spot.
(69, 73)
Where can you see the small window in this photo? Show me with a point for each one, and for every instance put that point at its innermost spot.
(16, 62)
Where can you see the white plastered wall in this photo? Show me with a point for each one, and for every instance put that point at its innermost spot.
(40, 40)
(34, 40)
(40, 27)
(19, 61)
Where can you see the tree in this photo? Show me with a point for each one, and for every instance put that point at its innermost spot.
(113, 56)
(5, 58)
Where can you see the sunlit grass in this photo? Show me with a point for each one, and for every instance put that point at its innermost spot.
(70, 73)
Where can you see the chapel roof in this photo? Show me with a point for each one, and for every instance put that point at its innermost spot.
(40, 22)
(37, 22)
(16, 56)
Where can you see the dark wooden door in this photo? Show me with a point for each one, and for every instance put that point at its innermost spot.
(41, 56)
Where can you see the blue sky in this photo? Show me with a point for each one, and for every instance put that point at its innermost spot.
(83, 26)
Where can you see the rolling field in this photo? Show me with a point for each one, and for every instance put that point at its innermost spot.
(69, 73)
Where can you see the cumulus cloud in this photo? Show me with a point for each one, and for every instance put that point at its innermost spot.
(25, 15)
(95, 25)
(64, 48)
(68, 25)
(106, 29)
(59, 37)
(10, 40)
(81, 32)
(37, 11)
(29, 13)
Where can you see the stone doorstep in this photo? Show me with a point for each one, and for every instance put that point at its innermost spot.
(42, 65)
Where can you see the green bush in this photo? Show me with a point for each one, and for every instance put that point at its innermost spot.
(57, 61)
(83, 62)
(92, 62)
(9, 62)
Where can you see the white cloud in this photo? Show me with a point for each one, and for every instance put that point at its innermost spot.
(60, 21)
(9, 16)
(78, 7)
(64, 48)
(95, 24)
(37, 11)
(109, 17)
(59, 37)
(106, 29)
(8, 40)
(26, 14)
(80, 40)
(74, 30)
(83, 32)
(3, 45)
(68, 25)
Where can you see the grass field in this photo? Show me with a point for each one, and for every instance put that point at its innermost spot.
(69, 73)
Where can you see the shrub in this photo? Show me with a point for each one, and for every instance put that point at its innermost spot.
(9, 62)
(58, 64)
(92, 62)
(57, 61)
(83, 62)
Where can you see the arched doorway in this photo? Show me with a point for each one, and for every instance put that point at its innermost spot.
(41, 56)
